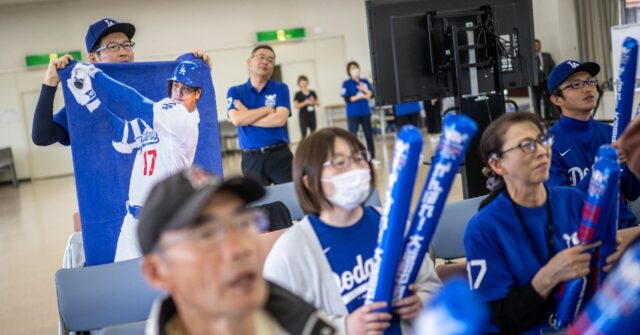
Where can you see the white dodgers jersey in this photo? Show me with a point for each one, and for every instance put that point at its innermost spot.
(168, 147)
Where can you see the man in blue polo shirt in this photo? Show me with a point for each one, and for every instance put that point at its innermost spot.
(356, 92)
(260, 108)
(573, 89)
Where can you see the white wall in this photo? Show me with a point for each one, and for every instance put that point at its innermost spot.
(224, 28)
(165, 29)
(554, 23)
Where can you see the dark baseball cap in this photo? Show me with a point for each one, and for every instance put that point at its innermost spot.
(104, 27)
(565, 69)
(175, 202)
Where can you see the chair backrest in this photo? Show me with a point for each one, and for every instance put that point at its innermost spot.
(634, 206)
(134, 328)
(284, 193)
(6, 157)
(94, 297)
(447, 241)
(287, 194)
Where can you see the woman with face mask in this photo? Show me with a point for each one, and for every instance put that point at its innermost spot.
(326, 258)
(521, 245)
(356, 92)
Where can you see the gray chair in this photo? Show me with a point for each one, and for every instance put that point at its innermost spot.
(228, 134)
(95, 297)
(134, 328)
(447, 241)
(6, 163)
(287, 194)
(634, 206)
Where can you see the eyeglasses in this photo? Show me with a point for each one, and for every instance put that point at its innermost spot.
(114, 47)
(529, 145)
(264, 58)
(578, 84)
(181, 88)
(209, 230)
(342, 162)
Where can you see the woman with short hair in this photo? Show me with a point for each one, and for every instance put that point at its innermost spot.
(327, 257)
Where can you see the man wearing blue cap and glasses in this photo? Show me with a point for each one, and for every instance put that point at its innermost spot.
(107, 41)
(162, 148)
(573, 89)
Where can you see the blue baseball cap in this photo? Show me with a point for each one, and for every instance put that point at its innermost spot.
(104, 27)
(188, 72)
(565, 69)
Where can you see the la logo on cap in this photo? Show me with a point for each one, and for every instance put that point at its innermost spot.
(109, 23)
(182, 70)
(573, 64)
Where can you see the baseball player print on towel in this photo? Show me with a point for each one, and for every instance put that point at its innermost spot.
(131, 125)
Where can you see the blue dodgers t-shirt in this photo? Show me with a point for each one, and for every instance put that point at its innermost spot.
(408, 108)
(359, 107)
(349, 251)
(274, 94)
(575, 147)
(500, 255)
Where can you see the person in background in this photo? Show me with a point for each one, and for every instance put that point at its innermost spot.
(260, 109)
(201, 246)
(356, 92)
(521, 244)
(326, 258)
(544, 64)
(107, 41)
(306, 102)
(573, 88)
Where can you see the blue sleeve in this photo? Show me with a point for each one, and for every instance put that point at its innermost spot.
(345, 90)
(486, 266)
(232, 94)
(48, 129)
(122, 100)
(283, 98)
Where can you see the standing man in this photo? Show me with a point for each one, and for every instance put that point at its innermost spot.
(544, 64)
(356, 92)
(260, 108)
(578, 136)
(107, 41)
(201, 246)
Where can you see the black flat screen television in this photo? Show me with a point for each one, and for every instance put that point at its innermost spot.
(412, 52)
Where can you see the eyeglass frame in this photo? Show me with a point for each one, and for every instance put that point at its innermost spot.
(208, 230)
(580, 84)
(261, 57)
(132, 45)
(349, 159)
(545, 140)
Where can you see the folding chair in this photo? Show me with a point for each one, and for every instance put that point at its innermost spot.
(6, 162)
(91, 298)
(134, 328)
(447, 242)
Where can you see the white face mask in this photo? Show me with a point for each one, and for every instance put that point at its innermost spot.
(354, 73)
(351, 188)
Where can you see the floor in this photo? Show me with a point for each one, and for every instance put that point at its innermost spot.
(35, 223)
